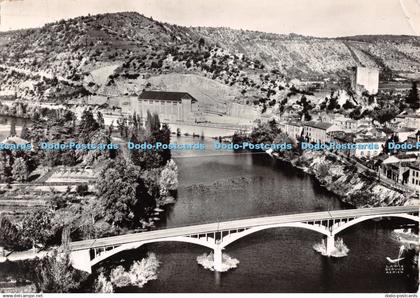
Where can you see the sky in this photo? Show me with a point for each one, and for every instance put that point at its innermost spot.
(324, 18)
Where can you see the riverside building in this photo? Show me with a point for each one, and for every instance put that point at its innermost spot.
(170, 106)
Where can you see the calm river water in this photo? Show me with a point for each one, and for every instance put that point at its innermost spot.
(215, 186)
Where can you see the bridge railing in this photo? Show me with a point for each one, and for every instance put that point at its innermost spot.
(290, 213)
(322, 217)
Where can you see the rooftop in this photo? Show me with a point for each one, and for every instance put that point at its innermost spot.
(371, 140)
(413, 135)
(295, 124)
(405, 129)
(414, 165)
(344, 137)
(165, 95)
(319, 125)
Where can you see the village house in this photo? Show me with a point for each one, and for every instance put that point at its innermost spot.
(293, 129)
(343, 122)
(7, 95)
(410, 121)
(414, 138)
(369, 147)
(396, 167)
(403, 133)
(318, 132)
(366, 147)
(414, 175)
(341, 137)
(347, 124)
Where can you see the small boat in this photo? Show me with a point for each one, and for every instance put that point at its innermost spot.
(269, 152)
(393, 261)
(398, 259)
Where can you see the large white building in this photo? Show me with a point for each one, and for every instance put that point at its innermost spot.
(293, 129)
(318, 132)
(410, 120)
(170, 106)
(365, 79)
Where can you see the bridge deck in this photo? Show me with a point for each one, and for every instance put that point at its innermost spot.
(239, 224)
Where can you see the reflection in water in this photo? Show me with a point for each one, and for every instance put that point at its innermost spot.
(214, 188)
(218, 188)
(217, 276)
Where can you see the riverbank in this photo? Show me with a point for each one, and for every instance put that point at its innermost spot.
(344, 179)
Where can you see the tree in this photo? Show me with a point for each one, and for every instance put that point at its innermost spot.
(9, 234)
(13, 127)
(201, 43)
(413, 99)
(88, 125)
(306, 116)
(122, 127)
(24, 134)
(265, 133)
(362, 198)
(54, 274)
(102, 285)
(152, 123)
(3, 170)
(100, 119)
(348, 105)
(168, 178)
(82, 189)
(333, 104)
(163, 135)
(20, 170)
(323, 170)
(149, 159)
(37, 226)
(68, 158)
(385, 114)
(393, 139)
(116, 189)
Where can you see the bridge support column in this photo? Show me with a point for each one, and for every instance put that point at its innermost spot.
(217, 259)
(80, 259)
(330, 245)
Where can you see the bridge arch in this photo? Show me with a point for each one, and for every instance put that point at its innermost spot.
(134, 245)
(236, 236)
(353, 222)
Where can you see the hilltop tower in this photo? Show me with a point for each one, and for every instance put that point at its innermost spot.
(365, 79)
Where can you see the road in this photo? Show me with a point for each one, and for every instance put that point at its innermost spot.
(41, 74)
(382, 178)
(238, 224)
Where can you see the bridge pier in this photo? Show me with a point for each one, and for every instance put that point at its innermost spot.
(217, 259)
(80, 259)
(330, 245)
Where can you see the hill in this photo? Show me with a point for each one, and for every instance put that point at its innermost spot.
(297, 55)
(93, 54)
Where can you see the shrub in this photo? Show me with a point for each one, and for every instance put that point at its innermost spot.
(323, 170)
(56, 275)
(82, 189)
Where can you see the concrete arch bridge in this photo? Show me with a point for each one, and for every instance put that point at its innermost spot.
(216, 236)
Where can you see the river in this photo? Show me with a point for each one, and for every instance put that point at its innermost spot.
(225, 185)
